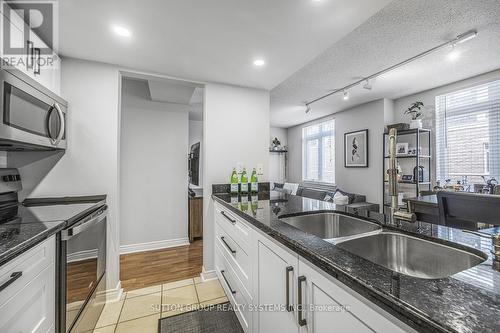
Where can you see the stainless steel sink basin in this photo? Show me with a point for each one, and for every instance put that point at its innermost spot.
(332, 227)
(411, 255)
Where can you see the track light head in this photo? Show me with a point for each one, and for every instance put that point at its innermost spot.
(345, 95)
(367, 85)
(308, 108)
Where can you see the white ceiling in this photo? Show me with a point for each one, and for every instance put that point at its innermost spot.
(166, 91)
(399, 31)
(214, 40)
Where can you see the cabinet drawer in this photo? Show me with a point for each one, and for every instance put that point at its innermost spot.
(31, 309)
(235, 255)
(28, 266)
(234, 226)
(234, 290)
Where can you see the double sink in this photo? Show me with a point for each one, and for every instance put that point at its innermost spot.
(396, 251)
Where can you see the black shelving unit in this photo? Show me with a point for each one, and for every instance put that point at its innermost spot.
(420, 140)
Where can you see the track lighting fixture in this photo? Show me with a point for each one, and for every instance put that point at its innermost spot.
(452, 56)
(308, 108)
(345, 95)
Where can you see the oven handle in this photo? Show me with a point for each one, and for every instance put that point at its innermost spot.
(71, 232)
(63, 124)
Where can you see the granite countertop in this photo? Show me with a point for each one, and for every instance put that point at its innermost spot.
(468, 301)
(20, 237)
(39, 218)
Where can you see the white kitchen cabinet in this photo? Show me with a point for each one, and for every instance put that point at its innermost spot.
(327, 304)
(276, 274)
(28, 303)
(49, 72)
(330, 306)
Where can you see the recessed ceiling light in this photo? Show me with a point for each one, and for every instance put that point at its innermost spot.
(121, 31)
(259, 62)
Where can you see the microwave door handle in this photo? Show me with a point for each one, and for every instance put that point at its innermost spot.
(63, 124)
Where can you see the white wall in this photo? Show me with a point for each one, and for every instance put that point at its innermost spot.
(428, 98)
(90, 164)
(236, 129)
(196, 135)
(277, 161)
(367, 181)
(153, 174)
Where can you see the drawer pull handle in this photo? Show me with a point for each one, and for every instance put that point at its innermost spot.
(227, 217)
(227, 245)
(13, 277)
(227, 282)
(302, 320)
(289, 269)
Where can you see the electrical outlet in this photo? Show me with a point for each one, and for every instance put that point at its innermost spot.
(260, 169)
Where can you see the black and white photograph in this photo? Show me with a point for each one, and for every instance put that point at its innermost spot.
(249, 166)
(356, 149)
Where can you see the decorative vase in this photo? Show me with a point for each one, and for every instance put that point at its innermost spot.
(416, 123)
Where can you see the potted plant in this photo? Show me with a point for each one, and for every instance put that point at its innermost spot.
(276, 144)
(415, 113)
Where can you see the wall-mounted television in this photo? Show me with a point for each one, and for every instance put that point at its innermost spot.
(194, 164)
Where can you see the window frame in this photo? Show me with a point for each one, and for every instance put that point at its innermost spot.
(319, 137)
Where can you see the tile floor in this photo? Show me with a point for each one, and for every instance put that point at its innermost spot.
(139, 310)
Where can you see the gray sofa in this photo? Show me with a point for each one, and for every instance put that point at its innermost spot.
(356, 201)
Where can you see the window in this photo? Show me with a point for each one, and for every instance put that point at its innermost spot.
(318, 153)
(468, 134)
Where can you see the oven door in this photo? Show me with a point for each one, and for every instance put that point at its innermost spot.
(85, 284)
(29, 115)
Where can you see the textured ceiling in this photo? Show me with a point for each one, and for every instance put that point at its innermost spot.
(210, 40)
(401, 30)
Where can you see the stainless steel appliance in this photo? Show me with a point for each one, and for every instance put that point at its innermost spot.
(83, 272)
(33, 117)
(81, 253)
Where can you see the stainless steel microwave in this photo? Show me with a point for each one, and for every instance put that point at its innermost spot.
(33, 117)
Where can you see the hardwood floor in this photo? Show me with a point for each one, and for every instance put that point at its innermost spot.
(144, 269)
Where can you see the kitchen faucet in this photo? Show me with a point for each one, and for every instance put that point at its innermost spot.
(392, 172)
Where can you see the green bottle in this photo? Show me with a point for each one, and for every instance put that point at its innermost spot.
(234, 182)
(244, 181)
(254, 182)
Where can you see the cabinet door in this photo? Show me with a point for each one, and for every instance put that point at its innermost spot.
(32, 309)
(332, 307)
(275, 267)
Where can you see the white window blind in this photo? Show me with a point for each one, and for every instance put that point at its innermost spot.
(318, 142)
(468, 134)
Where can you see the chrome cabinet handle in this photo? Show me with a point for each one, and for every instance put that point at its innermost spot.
(227, 282)
(227, 245)
(227, 217)
(302, 320)
(13, 277)
(36, 64)
(288, 270)
(29, 55)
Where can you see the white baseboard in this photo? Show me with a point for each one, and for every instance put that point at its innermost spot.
(115, 294)
(208, 275)
(156, 245)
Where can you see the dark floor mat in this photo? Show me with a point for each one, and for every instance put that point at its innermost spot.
(218, 318)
